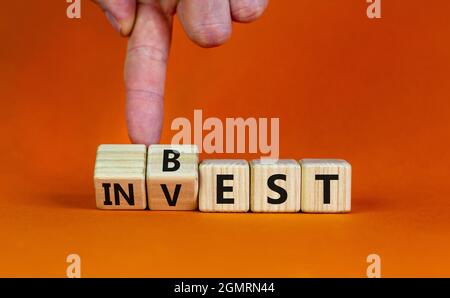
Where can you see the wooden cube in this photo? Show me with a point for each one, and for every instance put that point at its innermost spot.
(326, 186)
(119, 177)
(172, 177)
(224, 186)
(275, 185)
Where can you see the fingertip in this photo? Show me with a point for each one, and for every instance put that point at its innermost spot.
(246, 11)
(137, 138)
(206, 24)
(120, 14)
(144, 119)
(126, 26)
(210, 35)
(122, 26)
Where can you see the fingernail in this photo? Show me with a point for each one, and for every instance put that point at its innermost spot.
(113, 21)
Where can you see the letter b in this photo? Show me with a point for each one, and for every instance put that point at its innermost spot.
(170, 160)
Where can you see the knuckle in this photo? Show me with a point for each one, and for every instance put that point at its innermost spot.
(149, 52)
(147, 94)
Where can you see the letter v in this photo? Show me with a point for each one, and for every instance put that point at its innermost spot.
(172, 201)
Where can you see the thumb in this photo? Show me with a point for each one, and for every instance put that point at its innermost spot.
(120, 13)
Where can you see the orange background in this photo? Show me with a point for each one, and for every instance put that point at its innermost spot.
(374, 92)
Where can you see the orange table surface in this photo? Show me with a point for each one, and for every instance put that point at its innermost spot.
(373, 92)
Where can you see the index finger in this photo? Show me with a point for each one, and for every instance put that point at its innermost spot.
(145, 72)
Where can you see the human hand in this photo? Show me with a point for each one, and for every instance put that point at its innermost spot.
(148, 23)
